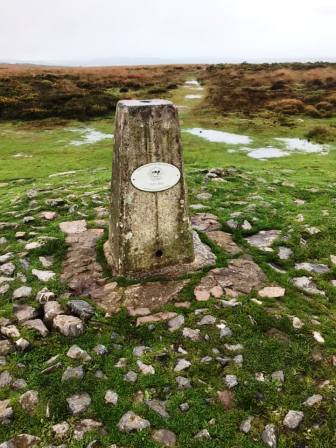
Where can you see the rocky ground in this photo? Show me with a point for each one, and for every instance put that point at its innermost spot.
(239, 354)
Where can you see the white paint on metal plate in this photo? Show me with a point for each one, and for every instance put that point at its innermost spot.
(154, 177)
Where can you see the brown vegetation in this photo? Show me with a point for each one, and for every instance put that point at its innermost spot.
(287, 89)
(33, 92)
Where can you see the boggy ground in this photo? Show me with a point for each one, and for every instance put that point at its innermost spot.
(243, 357)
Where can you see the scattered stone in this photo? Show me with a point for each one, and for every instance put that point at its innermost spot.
(33, 245)
(278, 376)
(311, 267)
(73, 227)
(234, 347)
(38, 325)
(19, 384)
(176, 323)
(43, 276)
(318, 337)
(79, 403)
(264, 239)
(207, 320)
(81, 309)
(158, 406)
(269, 437)
(48, 216)
(182, 364)
(44, 296)
(22, 292)
(131, 377)
(111, 397)
(68, 325)
(5, 347)
(73, 373)
(183, 383)
(189, 333)
(203, 435)
(135, 312)
(297, 323)
(145, 368)
(307, 285)
(224, 241)
(6, 411)
(164, 437)
(10, 331)
(131, 422)
(78, 353)
(22, 344)
(285, 253)
(184, 407)
(313, 400)
(272, 292)
(246, 425)
(47, 262)
(153, 318)
(7, 268)
(29, 401)
(51, 310)
(205, 222)
(293, 419)
(60, 430)
(6, 379)
(4, 288)
(100, 350)
(88, 425)
(231, 381)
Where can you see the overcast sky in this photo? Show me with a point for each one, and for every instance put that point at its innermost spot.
(228, 30)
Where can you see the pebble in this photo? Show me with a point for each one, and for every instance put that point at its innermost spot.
(164, 437)
(183, 383)
(246, 425)
(272, 292)
(293, 419)
(176, 323)
(189, 333)
(68, 325)
(79, 403)
(76, 352)
(131, 422)
(318, 337)
(269, 437)
(131, 377)
(43, 276)
(231, 381)
(182, 364)
(313, 400)
(111, 397)
(73, 373)
(145, 368)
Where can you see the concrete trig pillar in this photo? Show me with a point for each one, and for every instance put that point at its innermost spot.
(149, 224)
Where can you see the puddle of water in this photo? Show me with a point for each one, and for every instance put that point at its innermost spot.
(220, 136)
(89, 136)
(266, 153)
(193, 97)
(299, 144)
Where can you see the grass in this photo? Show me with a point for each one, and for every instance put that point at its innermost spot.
(272, 187)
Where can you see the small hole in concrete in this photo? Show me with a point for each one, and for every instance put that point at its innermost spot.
(158, 253)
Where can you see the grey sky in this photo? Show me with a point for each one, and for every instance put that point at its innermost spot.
(52, 30)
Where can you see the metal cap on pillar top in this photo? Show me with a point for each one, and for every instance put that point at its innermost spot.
(149, 224)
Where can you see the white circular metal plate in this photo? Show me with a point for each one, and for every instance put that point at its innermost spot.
(157, 176)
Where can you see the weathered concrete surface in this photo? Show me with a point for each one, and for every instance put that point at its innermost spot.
(148, 230)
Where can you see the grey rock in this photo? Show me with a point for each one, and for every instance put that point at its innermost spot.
(6, 411)
(183, 383)
(22, 292)
(131, 377)
(24, 312)
(111, 397)
(19, 384)
(313, 400)
(269, 437)
(68, 325)
(207, 320)
(311, 267)
(140, 350)
(81, 309)
(146, 369)
(6, 347)
(79, 403)
(278, 376)
(182, 364)
(264, 239)
(100, 350)
(29, 401)
(44, 296)
(60, 430)
(43, 276)
(285, 253)
(307, 285)
(184, 407)
(131, 422)
(158, 406)
(73, 373)
(6, 257)
(245, 425)
(176, 323)
(203, 435)
(192, 334)
(51, 310)
(164, 437)
(38, 325)
(6, 379)
(293, 419)
(7, 268)
(4, 288)
(231, 381)
(10, 331)
(76, 352)
(88, 425)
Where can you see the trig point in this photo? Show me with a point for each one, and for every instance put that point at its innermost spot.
(149, 224)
